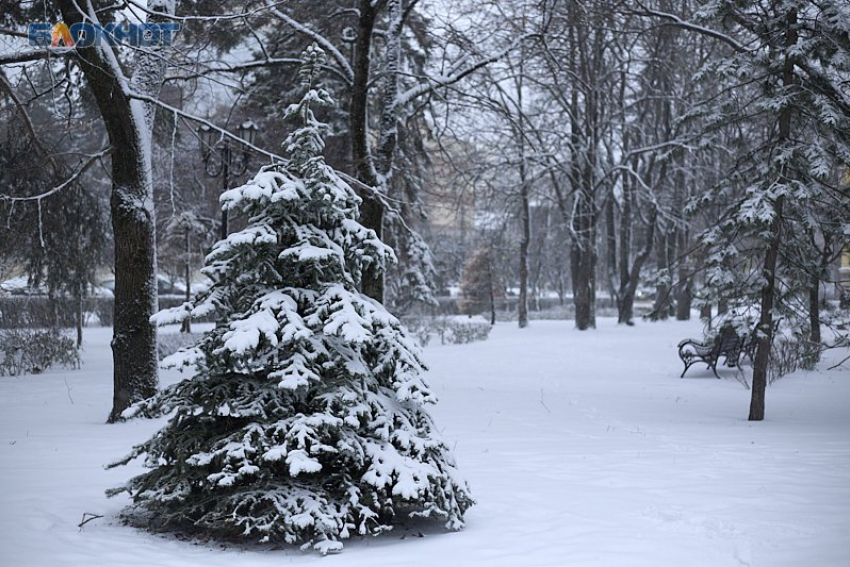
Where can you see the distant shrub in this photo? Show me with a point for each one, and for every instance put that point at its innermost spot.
(457, 329)
(25, 351)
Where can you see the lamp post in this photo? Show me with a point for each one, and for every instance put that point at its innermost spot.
(221, 159)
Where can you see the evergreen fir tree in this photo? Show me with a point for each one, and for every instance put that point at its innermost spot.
(305, 421)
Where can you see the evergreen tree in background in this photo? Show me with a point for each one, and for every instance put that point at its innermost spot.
(305, 422)
(477, 285)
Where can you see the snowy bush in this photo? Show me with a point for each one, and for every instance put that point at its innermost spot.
(305, 422)
(34, 351)
(461, 330)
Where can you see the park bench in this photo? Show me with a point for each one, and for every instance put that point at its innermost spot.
(727, 343)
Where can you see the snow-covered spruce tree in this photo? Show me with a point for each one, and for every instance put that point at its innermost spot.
(305, 421)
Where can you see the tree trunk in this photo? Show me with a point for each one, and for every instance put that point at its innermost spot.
(768, 291)
(826, 257)
(582, 173)
(492, 291)
(372, 216)
(134, 337)
(628, 287)
(524, 213)
(186, 327)
(536, 273)
(611, 250)
(765, 340)
(361, 156)
(128, 124)
(684, 297)
(814, 311)
(626, 310)
(583, 264)
(625, 305)
(388, 133)
(583, 255)
(525, 239)
(371, 210)
(661, 308)
(80, 313)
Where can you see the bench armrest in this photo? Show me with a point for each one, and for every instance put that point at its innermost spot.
(694, 342)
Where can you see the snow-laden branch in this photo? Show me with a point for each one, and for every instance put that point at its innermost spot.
(690, 26)
(194, 118)
(214, 18)
(13, 33)
(255, 64)
(29, 56)
(323, 42)
(91, 159)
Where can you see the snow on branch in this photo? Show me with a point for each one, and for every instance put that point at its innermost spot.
(188, 116)
(214, 18)
(13, 33)
(323, 42)
(29, 56)
(686, 25)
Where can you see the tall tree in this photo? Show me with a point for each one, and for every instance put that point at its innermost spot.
(128, 121)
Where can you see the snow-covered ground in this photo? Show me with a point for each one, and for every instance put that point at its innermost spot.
(581, 449)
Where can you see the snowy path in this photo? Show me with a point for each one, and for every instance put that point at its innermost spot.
(581, 449)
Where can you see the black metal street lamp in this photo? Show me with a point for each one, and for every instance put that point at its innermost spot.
(221, 159)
